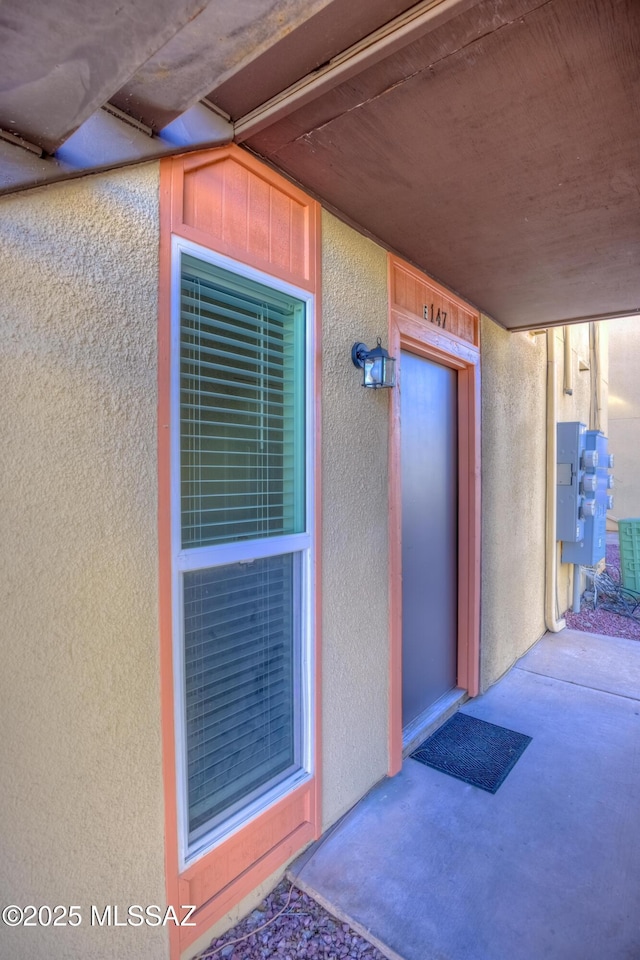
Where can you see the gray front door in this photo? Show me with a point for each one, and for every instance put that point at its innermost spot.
(429, 467)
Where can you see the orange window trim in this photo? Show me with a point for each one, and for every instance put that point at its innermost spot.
(230, 203)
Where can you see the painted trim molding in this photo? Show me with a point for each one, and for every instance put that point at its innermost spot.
(410, 330)
(230, 203)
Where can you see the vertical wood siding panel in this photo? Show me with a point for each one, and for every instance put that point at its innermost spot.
(416, 295)
(226, 199)
(258, 209)
(411, 292)
(235, 215)
(280, 230)
(397, 284)
(299, 244)
(203, 201)
(453, 319)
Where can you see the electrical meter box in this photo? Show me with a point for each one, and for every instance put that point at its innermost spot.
(583, 493)
(572, 440)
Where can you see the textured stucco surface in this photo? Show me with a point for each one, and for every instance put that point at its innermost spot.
(624, 414)
(82, 807)
(514, 378)
(580, 405)
(355, 615)
(513, 496)
(81, 791)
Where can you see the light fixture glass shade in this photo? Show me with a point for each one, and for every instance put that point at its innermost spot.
(378, 368)
(379, 371)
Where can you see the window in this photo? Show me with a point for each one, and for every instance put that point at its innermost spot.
(241, 498)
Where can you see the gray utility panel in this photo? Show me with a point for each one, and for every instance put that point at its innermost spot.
(583, 497)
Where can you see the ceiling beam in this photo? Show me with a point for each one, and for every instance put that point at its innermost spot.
(107, 140)
(569, 321)
(214, 47)
(62, 61)
(389, 39)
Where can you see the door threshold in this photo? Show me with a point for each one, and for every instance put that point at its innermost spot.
(432, 718)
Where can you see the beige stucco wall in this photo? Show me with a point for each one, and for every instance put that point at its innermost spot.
(624, 414)
(513, 367)
(355, 615)
(581, 404)
(81, 792)
(514, 378)
(82, 807)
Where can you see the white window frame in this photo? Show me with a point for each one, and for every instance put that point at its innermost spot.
(199, 558)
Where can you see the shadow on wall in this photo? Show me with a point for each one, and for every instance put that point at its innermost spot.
(624, 415)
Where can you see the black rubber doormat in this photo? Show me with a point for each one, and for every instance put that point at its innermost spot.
(473, 750)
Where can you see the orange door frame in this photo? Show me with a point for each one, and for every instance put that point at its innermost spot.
(409, 331)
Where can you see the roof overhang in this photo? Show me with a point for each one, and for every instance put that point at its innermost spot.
(492, 143)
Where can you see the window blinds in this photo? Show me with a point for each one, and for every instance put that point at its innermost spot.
(242, 443)
(242, 410)
(240, 681)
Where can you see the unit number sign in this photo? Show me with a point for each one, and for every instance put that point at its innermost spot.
(439, 318)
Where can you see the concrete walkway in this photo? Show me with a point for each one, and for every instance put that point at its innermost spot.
(430, 868)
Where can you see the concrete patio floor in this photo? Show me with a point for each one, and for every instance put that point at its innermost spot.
(430, 868)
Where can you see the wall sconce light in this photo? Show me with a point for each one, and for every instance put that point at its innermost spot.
(379, 369)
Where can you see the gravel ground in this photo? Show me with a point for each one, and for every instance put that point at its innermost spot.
(289, 925)
(603, 621)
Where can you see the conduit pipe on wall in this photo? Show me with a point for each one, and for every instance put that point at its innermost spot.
(567, 388)
(551, 552)
(595, 407)
(568, 366)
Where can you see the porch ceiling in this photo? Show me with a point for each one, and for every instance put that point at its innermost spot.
(493, 143)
